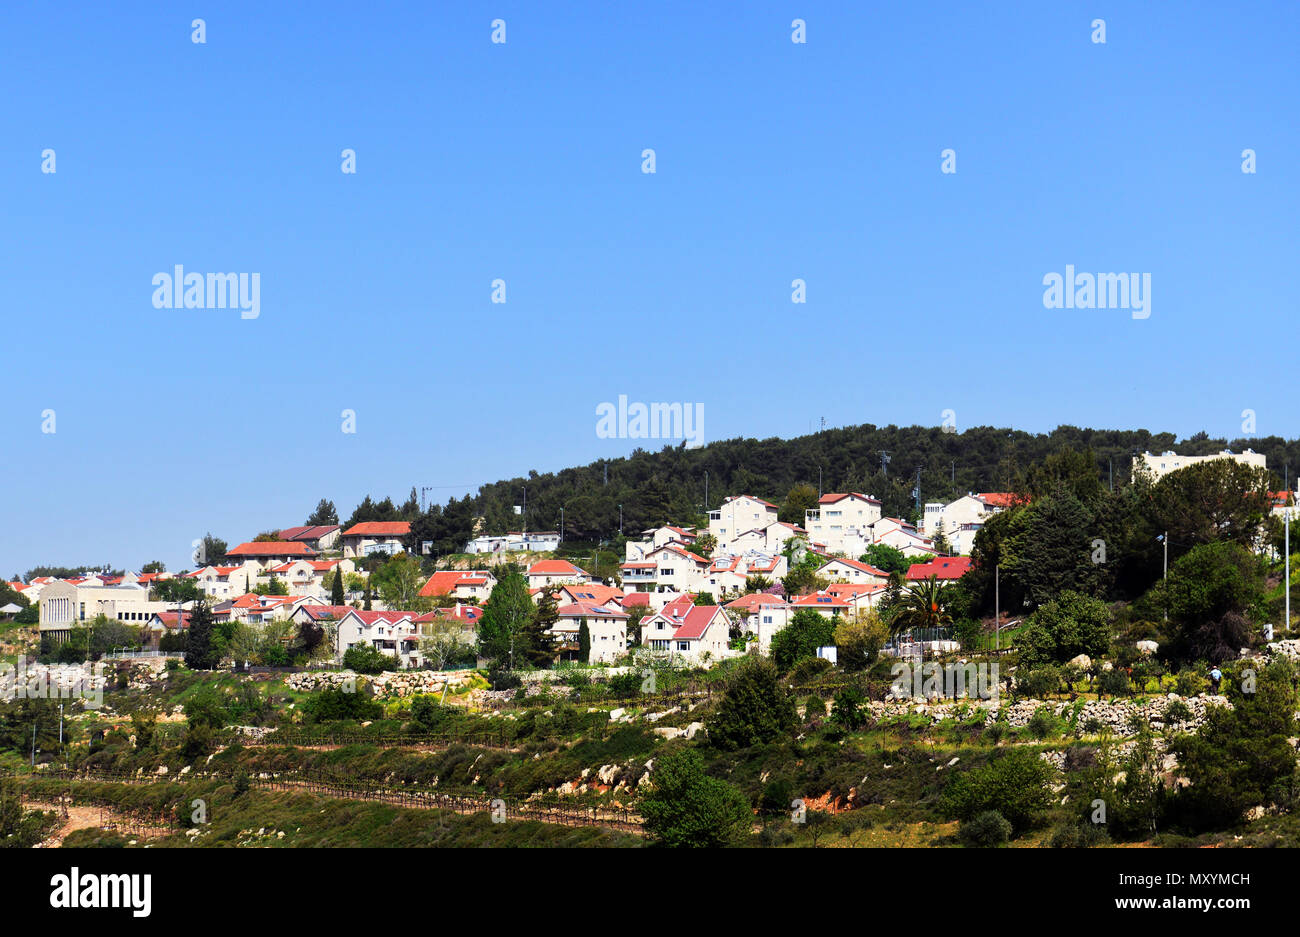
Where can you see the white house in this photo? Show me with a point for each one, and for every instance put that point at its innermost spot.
(853, 571)
(841, 521)
(737, 514)
(473, 584)
(555, 572)
(375, 537)
(392, 633)
(606, 630)
(761, 615)
(694, 634)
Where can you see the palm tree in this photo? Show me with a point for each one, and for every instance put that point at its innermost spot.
(922, 606)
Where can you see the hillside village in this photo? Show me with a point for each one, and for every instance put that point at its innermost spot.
(883, 673)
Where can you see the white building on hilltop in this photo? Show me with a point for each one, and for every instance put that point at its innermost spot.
(1161, 465)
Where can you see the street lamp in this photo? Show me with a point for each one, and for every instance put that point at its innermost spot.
(1164, 538)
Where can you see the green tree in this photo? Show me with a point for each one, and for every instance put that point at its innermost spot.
(1015, 785)
(886, 558)
(1214, 596)
(923, 605)
(807, 631)
(200, 654)
(584, 641)
(337, 596)
(503, 628)
(1067, 626)
(325, 514)
(755, 708)
(687, 808)
(859, 639)
(1240, 757)
(798, 500)
(176, 590)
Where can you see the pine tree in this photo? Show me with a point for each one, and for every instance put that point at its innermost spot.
(504, 628)
(199, 653)
(540, 639)
(584, 642)
(366, 605)
(336, 590)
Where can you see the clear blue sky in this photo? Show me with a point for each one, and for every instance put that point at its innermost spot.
(522, 161)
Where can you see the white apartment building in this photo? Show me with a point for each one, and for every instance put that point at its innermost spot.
(1161, 465)
(738, 514)
(842, 521)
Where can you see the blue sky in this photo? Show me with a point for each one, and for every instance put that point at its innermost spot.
(523, 161)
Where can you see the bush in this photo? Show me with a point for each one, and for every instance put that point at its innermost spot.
(686, 807)
(1014, 784)
(501, 679)
(777, 797)
(625, 684)
(1043, 723)
(989, 828)
(1038, 682)
(1190, 682)
(1177, 711)
(365, 658)
(1078, 836)
(814, 707)
(1113, 682)
(850, 708)
(333, 704)
(426, 713)
(755, 707)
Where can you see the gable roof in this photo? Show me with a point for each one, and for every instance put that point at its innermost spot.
(555, 568)
(379, 529)
(444, 582)
(942, 567)
(317, 612)
(696, 622)
(588, 610)
(767, 504)
(272, 548)
(855, 564)
(752, 602)
(1001, 499)
(836, 498)
(308, 532)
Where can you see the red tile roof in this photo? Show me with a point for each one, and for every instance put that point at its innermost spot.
(835, 498)
(272, 548)
(1001, 499)
(588, 610)
(554, 568)
(316, 612)
(379, 529)
(943, 567)
(444, 582)
(696, 622)
(858, 565)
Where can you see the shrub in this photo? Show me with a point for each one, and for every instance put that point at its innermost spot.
(501, 679)
(625, 684)
(849, 709)
(755, 708)
(777, 797)
(334, 703)
(1014, 784)
(1078, 836)
(1190, 682)
(1177, 712)
(1039, 681)
(364, 658)
(686, 807)
(1113, 682)
(1043, 723)
(989, 828)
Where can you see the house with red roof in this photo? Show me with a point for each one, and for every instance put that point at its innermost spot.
(555, 573)
(316, 614)
(961, 519)
(225, 582)
(475, 584)
(320, 537)
(654, 537)
(264, 554)
(842, 520)
(592, 593)
(761, 615)
(667, 569)
(375, 537)
(394, 633)
(944, 568)
(842, 569)
(826, 603)
(306, 577)
(694, 634)
(606, 631)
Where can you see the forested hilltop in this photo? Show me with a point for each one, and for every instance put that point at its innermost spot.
(668, 486)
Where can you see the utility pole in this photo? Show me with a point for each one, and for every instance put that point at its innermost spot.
(1286, 624)
(819, 482)
(884, 462)
(1165, 538)
(706, 491)
(523, 514)
(620, 520)
(561, 523)
(33, 744)
(1111, 463)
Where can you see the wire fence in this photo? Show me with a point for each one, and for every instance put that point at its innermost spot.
(552, 809)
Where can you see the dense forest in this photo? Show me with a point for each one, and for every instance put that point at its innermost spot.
(670, 485)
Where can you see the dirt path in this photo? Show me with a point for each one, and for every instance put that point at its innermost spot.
(81, 817)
